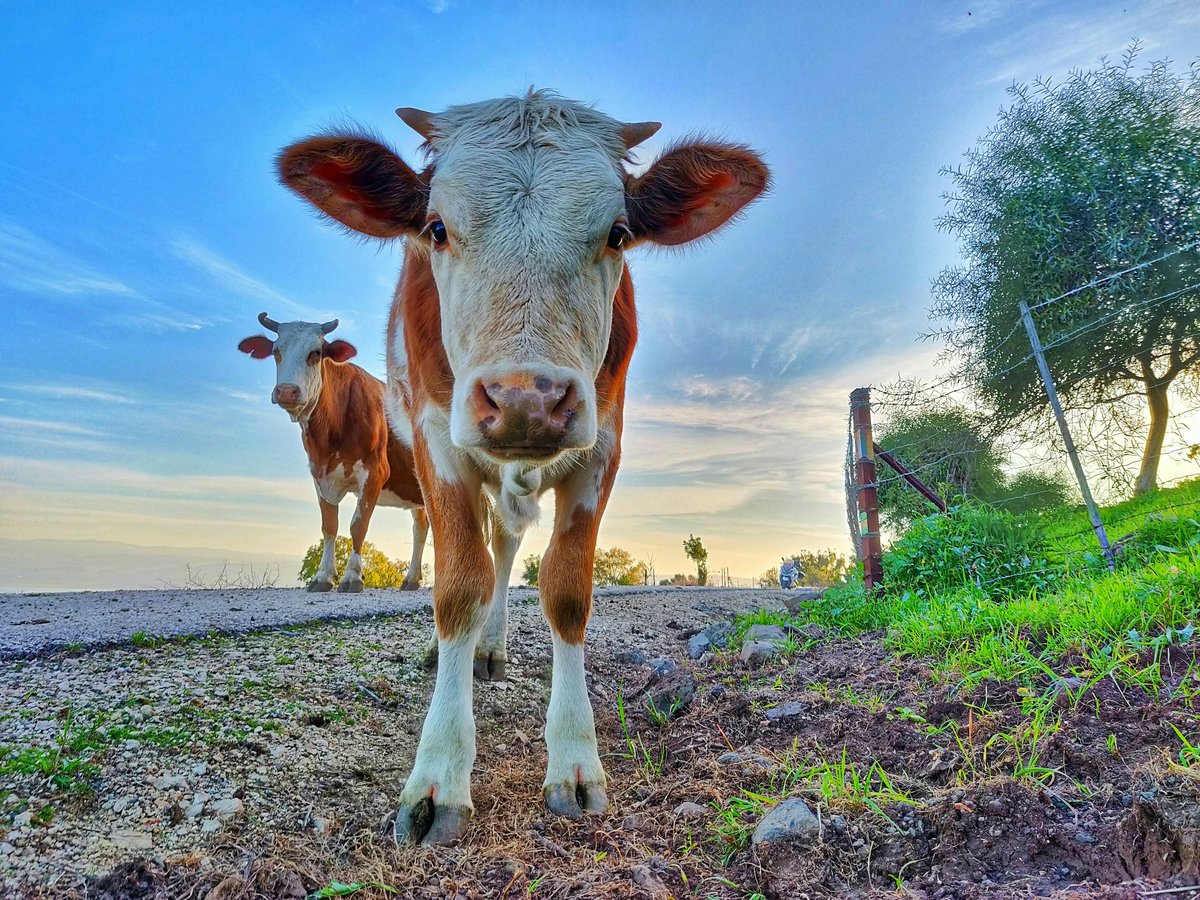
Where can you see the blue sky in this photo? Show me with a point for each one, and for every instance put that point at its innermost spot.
(142, 230)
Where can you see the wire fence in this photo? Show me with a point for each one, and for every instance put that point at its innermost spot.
(1028, 421)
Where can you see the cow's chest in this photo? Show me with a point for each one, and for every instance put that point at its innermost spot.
(335, 482)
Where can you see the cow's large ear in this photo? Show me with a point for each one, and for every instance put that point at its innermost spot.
(340, 351)
(692, 190)
(259, 346)
(357, 181)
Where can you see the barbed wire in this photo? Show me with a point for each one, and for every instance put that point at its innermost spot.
(1107, 278)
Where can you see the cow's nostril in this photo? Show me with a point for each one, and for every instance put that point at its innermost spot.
(566, 407)
(488, 396)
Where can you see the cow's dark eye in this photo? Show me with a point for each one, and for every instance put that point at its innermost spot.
(437, 231)
(619, 236)
(314, 357)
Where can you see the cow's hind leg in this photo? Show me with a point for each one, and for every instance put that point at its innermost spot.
(575, 779)
(412, 579)
(327, 570)
(491, 654)
(435, 804)
(352, 578)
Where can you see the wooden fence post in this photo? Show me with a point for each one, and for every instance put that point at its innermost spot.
(870, 549)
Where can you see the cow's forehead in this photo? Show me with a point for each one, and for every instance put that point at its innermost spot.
(299, 335)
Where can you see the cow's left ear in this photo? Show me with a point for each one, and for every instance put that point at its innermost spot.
(258, 346)
(340, 351)
(692, 190)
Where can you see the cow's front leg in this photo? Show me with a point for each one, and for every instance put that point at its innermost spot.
(412, 579)
(435, 804)
(491, 655)
(327, 570)
(575, 779)
(352, 578)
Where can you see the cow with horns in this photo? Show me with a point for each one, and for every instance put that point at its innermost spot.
(509, 339)
(351, 449)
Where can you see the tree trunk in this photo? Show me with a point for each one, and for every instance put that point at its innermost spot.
(1156, 399)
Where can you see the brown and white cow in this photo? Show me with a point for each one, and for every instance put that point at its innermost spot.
(510, 337)
(351, 449)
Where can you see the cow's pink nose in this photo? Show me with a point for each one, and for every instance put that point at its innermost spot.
(524, 415)
(287, 394)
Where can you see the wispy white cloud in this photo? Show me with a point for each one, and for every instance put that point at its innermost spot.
(30, 264)
(12, 423)
(70, 392)
(230, 277)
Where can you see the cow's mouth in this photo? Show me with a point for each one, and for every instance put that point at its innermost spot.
(508, 453)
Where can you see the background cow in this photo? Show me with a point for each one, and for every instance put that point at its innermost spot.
(510, 337)
(345, 433)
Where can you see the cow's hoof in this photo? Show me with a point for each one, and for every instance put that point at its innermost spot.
(319, 586)
(410, 586)
(427, 824)
(573, 800)
(491, 665)
(350, 586)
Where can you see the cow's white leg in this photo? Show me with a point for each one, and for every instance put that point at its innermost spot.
(412, 579)
(327, 570)
(575, 779)
(436, 802)
(368, 494)
(491, 655)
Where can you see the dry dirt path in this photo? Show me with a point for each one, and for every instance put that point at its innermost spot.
(275, 725)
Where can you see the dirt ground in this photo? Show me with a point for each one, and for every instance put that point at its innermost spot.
(263, 765)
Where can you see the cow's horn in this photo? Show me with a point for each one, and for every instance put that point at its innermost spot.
(268, 322)
(329, 326)
(636, 132)
(418, 120)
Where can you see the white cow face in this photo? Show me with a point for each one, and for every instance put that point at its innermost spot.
(525, 212)
(298, 350)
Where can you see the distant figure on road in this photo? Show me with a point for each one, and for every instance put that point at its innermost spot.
(790, 574)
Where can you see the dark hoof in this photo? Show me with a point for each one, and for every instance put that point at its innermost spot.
(409, 586)
(490, 666)
(573, 800)
(427, 824)
(350, 586)
(319, 587)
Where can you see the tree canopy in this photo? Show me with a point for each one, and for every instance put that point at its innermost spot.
(696, 552)
(1083, 197)
(609, 567)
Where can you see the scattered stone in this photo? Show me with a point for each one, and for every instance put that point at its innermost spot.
(662, 667)
(22, 820)
(786, 710)
(690, 811)
(227, 809)
(6, 848)
(671, 696)
(1085, 837)
(719, 634)
(698, 645)
(756, 654)
(169, 782)
(644, 878)
(794, 600)
(765, 633)
(208, 826)
(717, 691)
(790, 820)
(733, 757)
(201, 768)
(632, 657)
(131, 839)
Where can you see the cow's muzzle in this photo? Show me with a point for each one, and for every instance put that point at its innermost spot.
(524, 415)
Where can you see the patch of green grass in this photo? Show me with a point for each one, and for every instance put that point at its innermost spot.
(650, 762)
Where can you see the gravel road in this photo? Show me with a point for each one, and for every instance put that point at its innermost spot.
(31, 624)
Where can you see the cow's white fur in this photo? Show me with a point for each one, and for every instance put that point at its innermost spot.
(573, 757)
(528, 189)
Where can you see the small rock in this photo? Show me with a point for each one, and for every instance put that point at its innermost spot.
(765, 633)
(698, 645)
(131, 839)
(6, 848)
(717, 691)
(672, 695)
(631, 823)
(207, 826)
(22, 820)
(719, 634)
(733, 756)
(786, 710)
(227, 809)
(690, 811)
(201, 768)
(123, 803)
(790, 820)
(169, 782)
(1085, 837)
(758, 653)
(662, 667)
(632, 657)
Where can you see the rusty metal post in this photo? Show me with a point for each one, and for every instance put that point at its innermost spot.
(870, 549)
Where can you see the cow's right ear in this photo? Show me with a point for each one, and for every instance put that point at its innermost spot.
(358, 182)
(259, 346)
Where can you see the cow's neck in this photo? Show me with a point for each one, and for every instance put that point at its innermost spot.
(323, 417)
